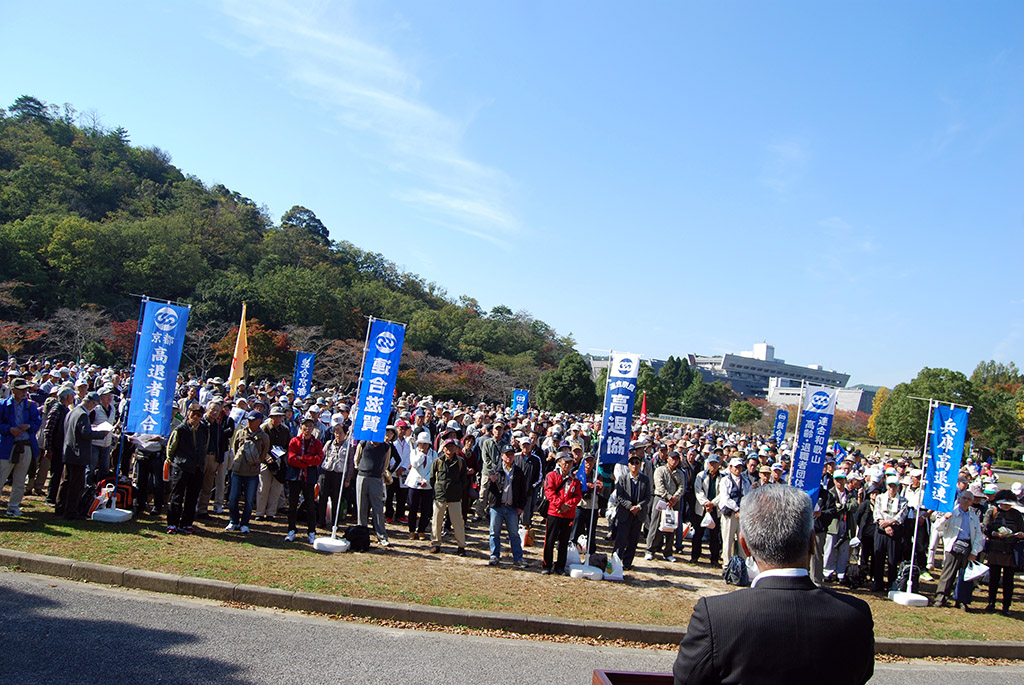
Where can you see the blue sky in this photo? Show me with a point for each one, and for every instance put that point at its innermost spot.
(843, 180)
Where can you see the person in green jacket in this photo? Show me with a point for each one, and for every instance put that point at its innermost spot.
(448, 478)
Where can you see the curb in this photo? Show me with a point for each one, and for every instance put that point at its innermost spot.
(220, 590)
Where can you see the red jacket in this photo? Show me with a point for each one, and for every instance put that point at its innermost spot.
(314, 456)
(558, 493)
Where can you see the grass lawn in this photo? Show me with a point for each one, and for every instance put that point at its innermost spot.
(655, 593)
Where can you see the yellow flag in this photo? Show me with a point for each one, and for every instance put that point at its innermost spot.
(241, 355)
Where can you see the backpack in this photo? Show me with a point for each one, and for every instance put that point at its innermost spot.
(903, 576)
(735, 572)
(86, 500)
(124, 493)
(854, 577)
(358, 538)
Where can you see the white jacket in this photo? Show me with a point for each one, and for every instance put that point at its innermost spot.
(419, 469)
(949, 529)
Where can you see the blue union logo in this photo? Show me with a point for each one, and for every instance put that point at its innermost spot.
(819, 400)
(625, 365)
(165, 319)
(386, 342)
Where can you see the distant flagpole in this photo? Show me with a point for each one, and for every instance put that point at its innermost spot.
(240, 357)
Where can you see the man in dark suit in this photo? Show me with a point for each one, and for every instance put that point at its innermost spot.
(631, 494)
(783, 629)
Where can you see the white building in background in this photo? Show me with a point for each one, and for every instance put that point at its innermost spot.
(858, 398)
(751, 373)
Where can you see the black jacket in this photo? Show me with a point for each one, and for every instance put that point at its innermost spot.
(783, 630)
(53, 431)
(493, 489)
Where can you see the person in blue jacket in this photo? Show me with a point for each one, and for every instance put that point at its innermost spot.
(19, 422)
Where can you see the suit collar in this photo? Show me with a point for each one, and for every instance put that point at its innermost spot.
(785, 583)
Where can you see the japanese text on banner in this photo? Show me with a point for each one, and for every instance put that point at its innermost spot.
(949, 429)
(520, 401)
(617, 424)
(781, 423)
(303, 373)
(380, 372)
(812, 441)
(158, 354)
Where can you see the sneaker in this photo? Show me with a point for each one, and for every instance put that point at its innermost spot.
(670, 559)
(230, 527)
(311, 537)
(436, 549)
(461, 552)
(927, 576)
(290, 537)
(384, 543)
(243, 529)
(545, 572)
(14, 511)
(187, 530)
(649, 557)
(493, 561)
(402, 519)
(218, 509)
(171, 530)
(520, 563)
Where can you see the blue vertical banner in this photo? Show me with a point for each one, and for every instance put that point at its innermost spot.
(949, 430)
(781, 423)
(815, 428)
(520, 401)
(617, 424)
(303, 373)
(840, 453)
(380, 372)
(158, 348)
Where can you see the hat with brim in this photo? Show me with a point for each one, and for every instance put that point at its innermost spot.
(1005, 497)
(424, 438)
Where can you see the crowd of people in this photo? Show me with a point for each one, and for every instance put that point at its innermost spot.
(445, 467)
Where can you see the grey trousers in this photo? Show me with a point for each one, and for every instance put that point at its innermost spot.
(818, 559)
(370, 495)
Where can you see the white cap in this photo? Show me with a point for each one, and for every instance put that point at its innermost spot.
(423, 437)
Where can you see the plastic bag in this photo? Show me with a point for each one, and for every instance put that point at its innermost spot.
(708, 522)
(573, 556)
(613, 571)
(669, 520)
(974, 570)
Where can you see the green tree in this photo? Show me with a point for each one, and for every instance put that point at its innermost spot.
(996, 385)
(901, 419)
(707, 400)
(567, 388)
(743, 413)
(304, 219)
(648, 382)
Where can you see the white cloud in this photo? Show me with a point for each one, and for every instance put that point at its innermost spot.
(836, 224)
(785, 166)
(323, 52)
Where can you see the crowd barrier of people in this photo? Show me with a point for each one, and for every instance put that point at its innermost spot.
(260, 453)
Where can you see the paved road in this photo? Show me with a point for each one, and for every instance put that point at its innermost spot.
(60, 631)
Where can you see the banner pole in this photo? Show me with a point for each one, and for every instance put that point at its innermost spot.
(796, 433)
(362, 363)
(597, 456)
(920, 496)
(128, 403)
